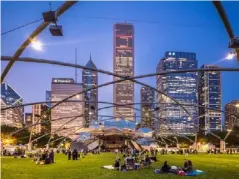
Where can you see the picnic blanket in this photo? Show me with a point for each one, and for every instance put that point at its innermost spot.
(110, 167)
(193, 173)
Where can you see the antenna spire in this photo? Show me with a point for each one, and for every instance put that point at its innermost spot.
(76, 64)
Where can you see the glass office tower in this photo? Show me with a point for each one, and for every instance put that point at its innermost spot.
(14, 116)
(183, 88)
(210, 97)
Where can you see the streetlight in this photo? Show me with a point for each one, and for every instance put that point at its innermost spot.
(36, 44)
(230, 56)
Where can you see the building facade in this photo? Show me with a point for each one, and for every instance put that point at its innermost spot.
(183, 88)
(123, 64)
(28, 120)
(14, 116)
(48, 98)
(67, 117)
(41, 115)
(232, 114)
(209, 95)
(147, 107)
(90, 80)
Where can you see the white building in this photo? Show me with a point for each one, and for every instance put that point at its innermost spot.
(67, 117)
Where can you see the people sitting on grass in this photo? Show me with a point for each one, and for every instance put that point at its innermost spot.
(19, 153)
(188, 166)
(165, 168)
(45, 158)
(115, 166)
(147, 161)
(51, 156)
(186, 170)
(153, 158)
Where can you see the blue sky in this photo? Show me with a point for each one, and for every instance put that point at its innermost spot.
(181, 26)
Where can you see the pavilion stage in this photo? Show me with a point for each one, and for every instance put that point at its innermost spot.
(114, 138)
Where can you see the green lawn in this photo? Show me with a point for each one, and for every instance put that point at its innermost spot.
(215, 166)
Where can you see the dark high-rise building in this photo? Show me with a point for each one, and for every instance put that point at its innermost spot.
(232, 114)
(28, 120)
(209, 96)
(123, 65)
(48, 98)
(90, 80)
(183, 88)
(73, 110)
(9, 97)
(41, 115)
(147, 107)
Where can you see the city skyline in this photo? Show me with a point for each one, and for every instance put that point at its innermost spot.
(142, 35)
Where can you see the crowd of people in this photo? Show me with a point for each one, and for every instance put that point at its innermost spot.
(232, 151)
(19, 152)
(133, 160)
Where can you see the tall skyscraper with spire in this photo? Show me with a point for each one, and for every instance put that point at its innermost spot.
(123, 64)
(90, 80)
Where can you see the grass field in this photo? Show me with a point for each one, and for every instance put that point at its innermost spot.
(215, 166)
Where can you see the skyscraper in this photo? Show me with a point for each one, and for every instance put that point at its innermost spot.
(232, 114)
(183, 88)
(123, 65)
(28, 120)
(9, 97)
(48, 98)
(90, 80)
(40, 115)
(69, 111)
(209, 96)
(147, 107)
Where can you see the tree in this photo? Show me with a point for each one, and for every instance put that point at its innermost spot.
(21, 137)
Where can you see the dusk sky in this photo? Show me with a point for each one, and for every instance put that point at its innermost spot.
(181, 26)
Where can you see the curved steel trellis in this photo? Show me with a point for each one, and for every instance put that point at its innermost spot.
(52, 62)
(219, 7)
(105, 102)
(128, 78)
(92, 101)
(125, 78)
